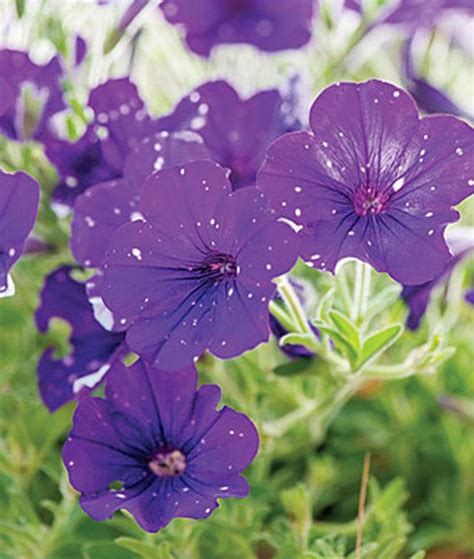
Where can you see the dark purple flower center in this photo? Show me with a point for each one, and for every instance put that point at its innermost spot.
(368, 200)
(238, 7)
(218, 267)
(167, 463)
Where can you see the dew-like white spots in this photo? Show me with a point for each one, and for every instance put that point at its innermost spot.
(198, 122)
(306, 146)
(340, 134)
(396, 94)
(351, 233)
(120, 496)
(185, 489)
(431, 232)
(376, 100)
(198, 224)
(182, 171)
(194, 97)
(369, 243)
(117, 211)
(11, 252)
(230, 292)
(315, 256)
(212, 221)
(422, 152)
(71, 182)
(124, 109)
(429, 214)
(157, 146)
(137, 216)
(102, 118)
(207, 511)
(203, 109)
(470, 182)
(158, 165)
(89, 221)
(264, 28)
(137, 253)
(298, 189)
(268, 267)
(224, 488)
(459, 151)
(329, 164)
(71, 463)
(333, 212)
(123, 321)
(407, 204)
(298, 212)
(398, 184)
(231, 432)
(425, 137)
(249, 295)
(432, 188)
(325, 144)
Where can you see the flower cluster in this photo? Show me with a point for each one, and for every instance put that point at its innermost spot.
(183, 222)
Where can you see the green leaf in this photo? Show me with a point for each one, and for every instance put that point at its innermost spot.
(293, 368)
(346, 328)
(298, 339)
(339, 341)
(379, 342)
(145, 550)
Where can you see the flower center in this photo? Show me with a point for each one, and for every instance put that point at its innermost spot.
(167, 463)
(368, 200)
(218, 267)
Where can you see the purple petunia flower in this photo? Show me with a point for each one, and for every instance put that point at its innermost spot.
(372, 181)
(198, 273)
(30, 95)
(120, 122)
(104, 207)
(418, 297)
(429, 98)
(423, 13)
(269, 25)
(236, 131)
(164, 441)
(354, 5)
(93, 348)
(19, 200)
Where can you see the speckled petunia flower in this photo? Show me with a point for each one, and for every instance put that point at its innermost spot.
(30, 95)
(237, 131)
(163, 441)
(120, 122)
(198, 273)
(372, 181)
(93, 349)
(19, 200)
(102, 208)
(423, 13)
(269, 25)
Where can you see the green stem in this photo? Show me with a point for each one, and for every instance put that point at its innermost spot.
(293, 305)
(361, 291)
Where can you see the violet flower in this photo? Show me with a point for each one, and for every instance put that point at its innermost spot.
(162, 439)
(270, 26)
(236, 131)
(372, 181)
(119, 124)
(30, 95)
(198, 273)
(19, 200)
(93, 351)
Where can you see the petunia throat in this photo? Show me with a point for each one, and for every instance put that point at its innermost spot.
(369, 200)
(218, 267)
(167, 463)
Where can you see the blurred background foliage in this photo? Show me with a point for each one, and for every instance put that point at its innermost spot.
(306, 480)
